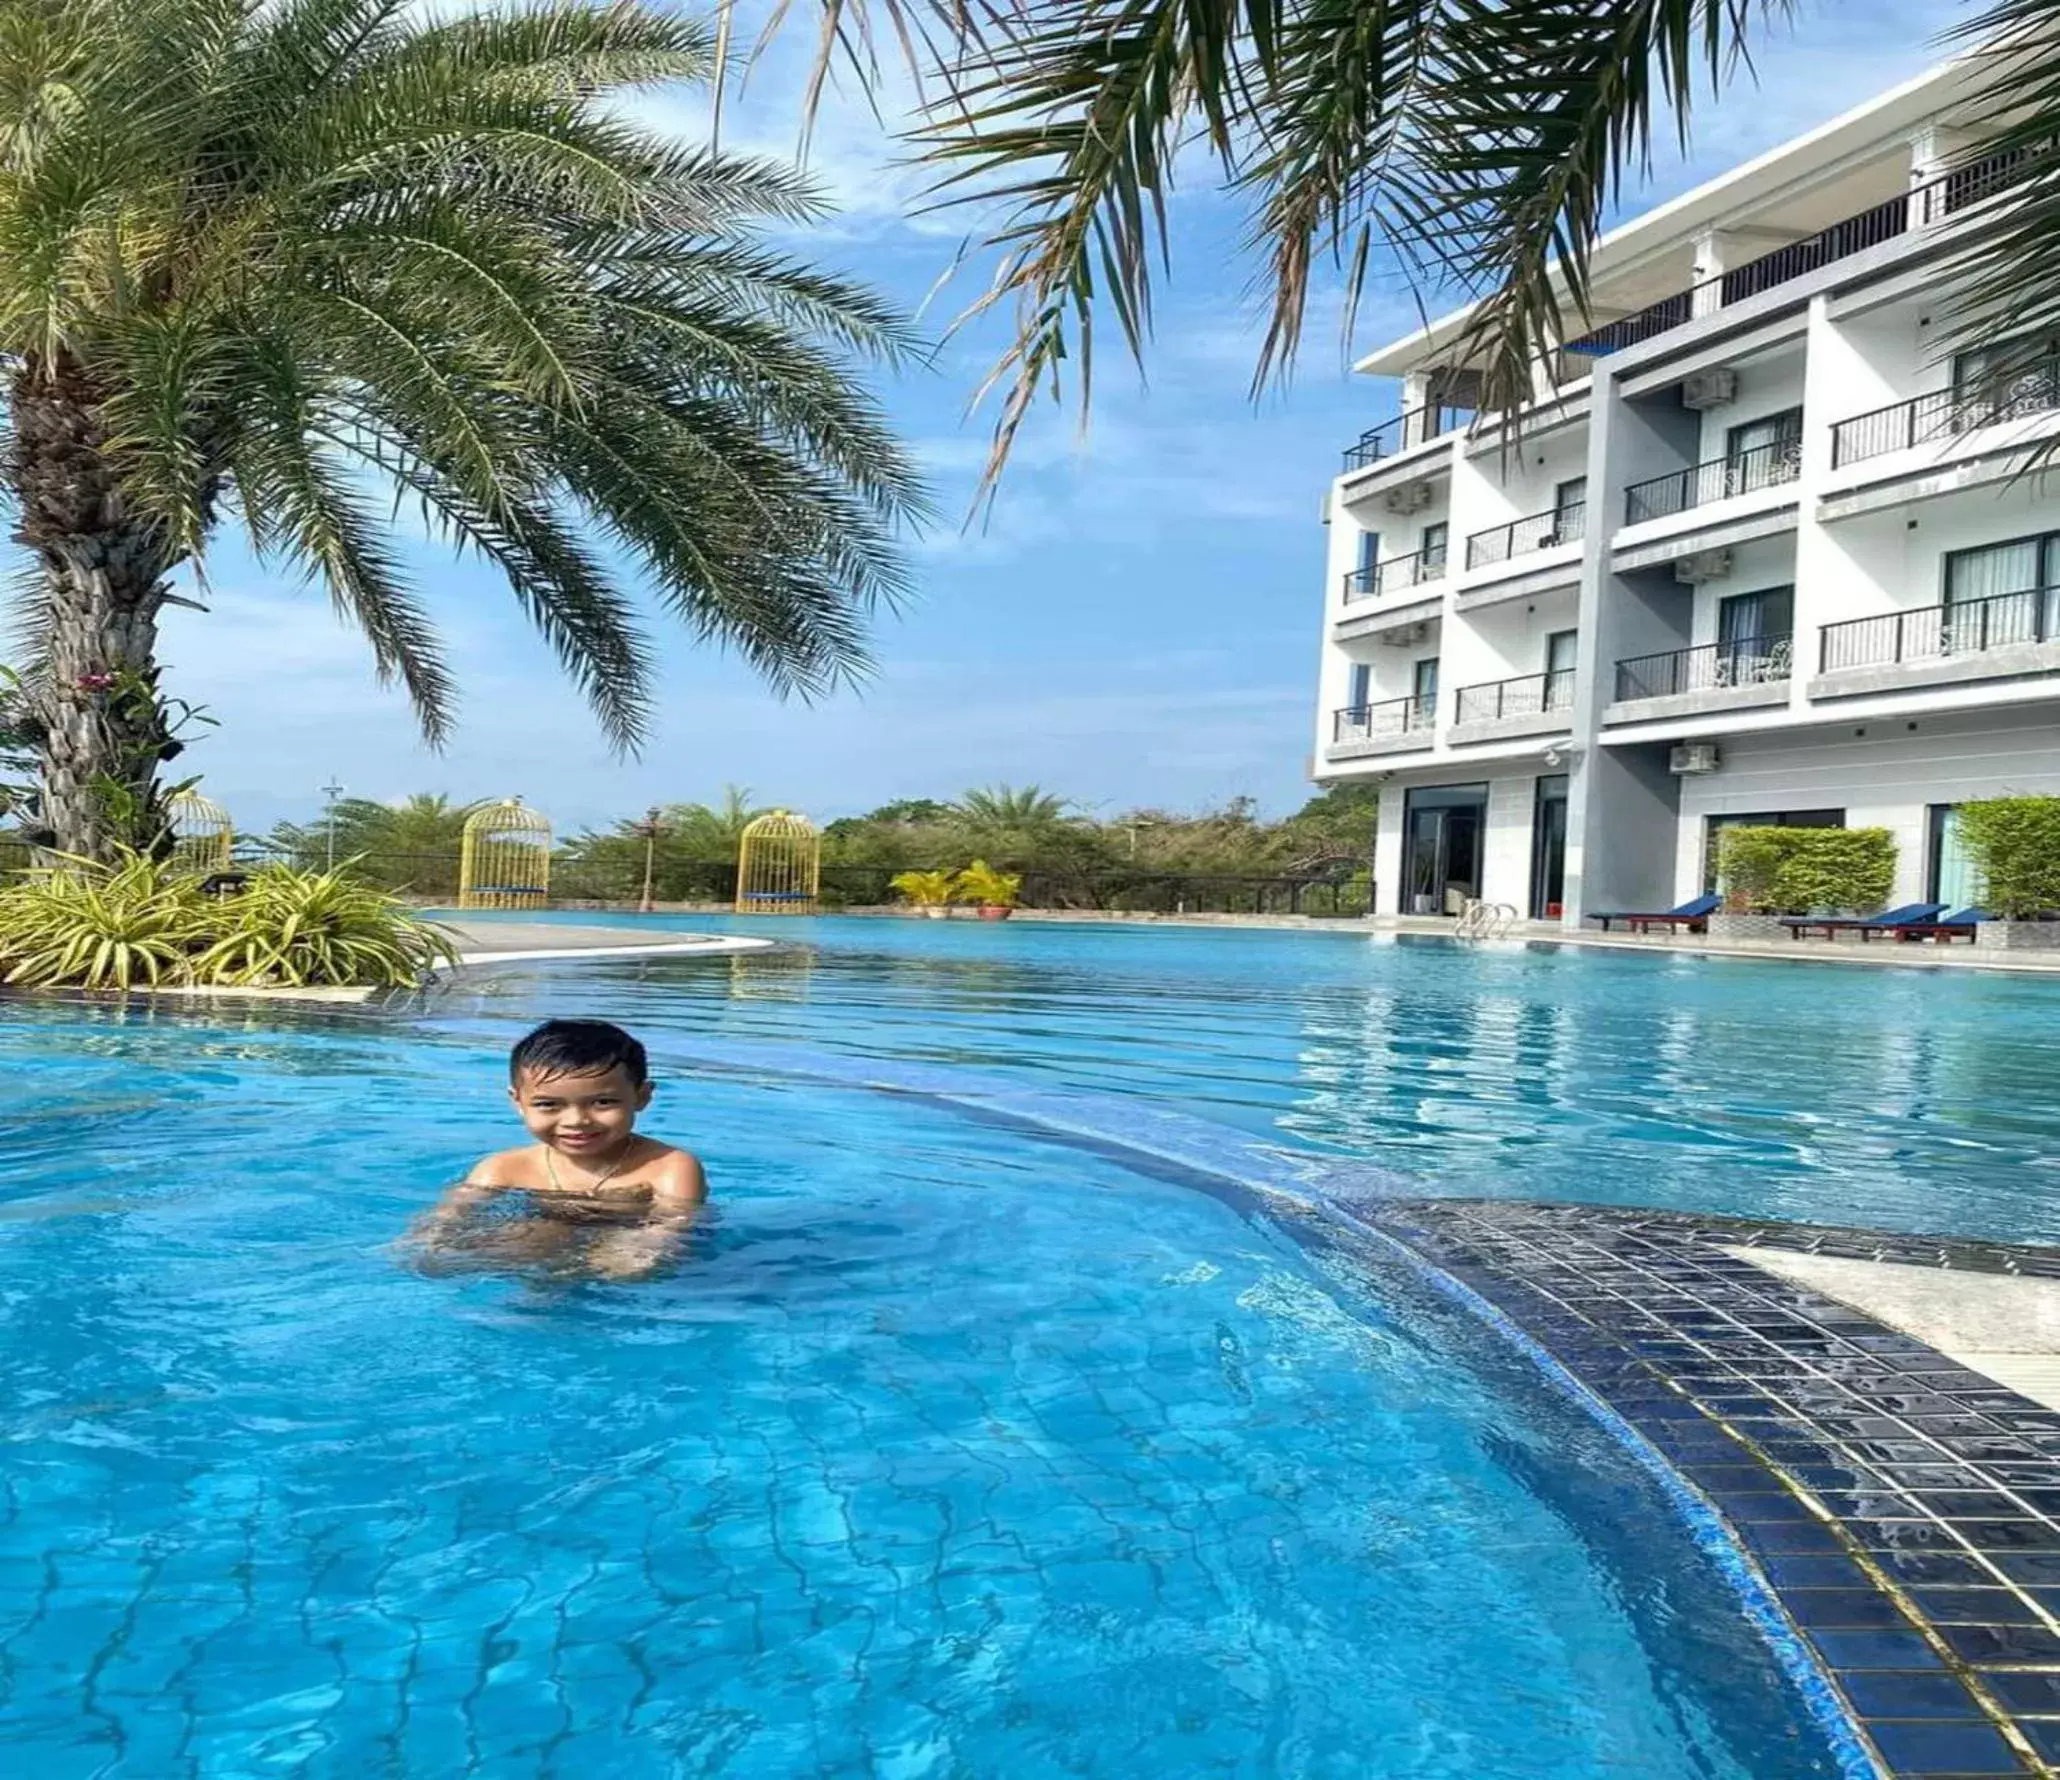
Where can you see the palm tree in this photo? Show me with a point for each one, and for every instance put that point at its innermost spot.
(1482, 145)
(1005, 807)
(297, 262)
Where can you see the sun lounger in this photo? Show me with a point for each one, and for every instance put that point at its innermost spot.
(1945, 929)
(1695, 916)
(1911, 914)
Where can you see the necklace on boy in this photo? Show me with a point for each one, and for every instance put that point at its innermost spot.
(592, 1186)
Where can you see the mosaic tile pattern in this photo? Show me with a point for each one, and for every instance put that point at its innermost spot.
(1906, 1509)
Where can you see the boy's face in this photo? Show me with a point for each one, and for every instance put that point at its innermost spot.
(589, 1116)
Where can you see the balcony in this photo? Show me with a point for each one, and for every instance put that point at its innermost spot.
(1736, 674)
(1532, 704)
(1946, 414)
(2008, 635)
(1924, 207)
(1394, 726)
(1520, 537)
(1417, 427)
(1765, 466)
(1395, 575)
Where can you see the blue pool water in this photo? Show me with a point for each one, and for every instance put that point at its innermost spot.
(956, 1449)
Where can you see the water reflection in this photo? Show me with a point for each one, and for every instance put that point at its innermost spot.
(1910, 1099)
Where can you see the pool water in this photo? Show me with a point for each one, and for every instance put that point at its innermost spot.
(1909, 1099)
(954, 1450)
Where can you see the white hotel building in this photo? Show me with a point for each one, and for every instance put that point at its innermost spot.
(1759, 551)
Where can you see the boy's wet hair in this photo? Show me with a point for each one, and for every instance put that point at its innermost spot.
(578, 1047)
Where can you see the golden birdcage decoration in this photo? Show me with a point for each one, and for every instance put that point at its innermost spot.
(201, 834)
(779, 866)
(504, 861)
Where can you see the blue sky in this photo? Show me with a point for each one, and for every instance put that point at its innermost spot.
(1136, 624)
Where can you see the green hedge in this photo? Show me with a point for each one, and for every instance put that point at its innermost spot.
(2014, 843)
(1800, 870)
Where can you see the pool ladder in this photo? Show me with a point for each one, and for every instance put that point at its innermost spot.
(1484, 920)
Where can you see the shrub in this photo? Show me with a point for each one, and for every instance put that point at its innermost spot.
(2014, 844)
(926, 889)
(981, 883)
(141, 921)
(1795, 870)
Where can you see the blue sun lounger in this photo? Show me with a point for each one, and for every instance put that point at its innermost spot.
(1945, 929)
(1911, 914)
(1695, 916)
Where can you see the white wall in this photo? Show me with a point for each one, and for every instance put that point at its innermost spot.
(1522, 483)
(1883, 776)
(1506, 865)
(1765, 386)
(1763, 563)
(1507, 641)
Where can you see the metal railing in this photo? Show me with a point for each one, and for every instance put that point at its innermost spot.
(1535, 531)
(1931, 633)
(1742, 661)
(1394, 716)
(1396, 573)
(1529, 695)
(1764, 466)
(1946, 413)
(1934, 202)
(1418, 426)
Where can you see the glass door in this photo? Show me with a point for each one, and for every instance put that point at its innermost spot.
(1424, 690)
(1559, 670)
(1548, 848)
(2001, 594)
(1443, 827)
(1762, 452)
(1949, 871)
(1569, 511)
(1753, 636)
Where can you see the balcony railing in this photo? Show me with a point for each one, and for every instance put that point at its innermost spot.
(1742, 661)
(1947, 413)
(1530, 695)
(1764, 466)
(1535, 531)
(1395, 574)
(1417, 427)
(1932, 633)
(1395, 716)
(1923, 207)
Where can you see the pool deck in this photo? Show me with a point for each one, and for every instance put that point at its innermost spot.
(1903, 1504)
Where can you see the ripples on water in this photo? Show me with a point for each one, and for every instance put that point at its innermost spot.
(951, 1453)
(1909, 1099)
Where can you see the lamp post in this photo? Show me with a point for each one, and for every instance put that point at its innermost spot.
(648, 828)
(331, 791)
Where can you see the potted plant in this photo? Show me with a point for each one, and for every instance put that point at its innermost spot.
(995, 893)
(927, 892)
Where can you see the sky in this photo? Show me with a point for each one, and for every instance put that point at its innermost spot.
(1135, 624)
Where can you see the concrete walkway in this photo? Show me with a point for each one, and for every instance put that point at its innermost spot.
(2003, 1325)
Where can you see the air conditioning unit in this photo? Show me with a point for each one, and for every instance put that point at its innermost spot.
(1689, 758)
(1709, 389)
(1703, 565)
(1411, 497)
(1406, 636)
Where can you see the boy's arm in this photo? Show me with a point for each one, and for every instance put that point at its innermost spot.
(480, 1184)
(677, 1195)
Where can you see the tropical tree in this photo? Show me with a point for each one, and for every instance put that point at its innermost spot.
(294, 262)
(1481, 145)
(390, 838)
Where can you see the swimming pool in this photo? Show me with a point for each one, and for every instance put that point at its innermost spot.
(970, 1443)
(1910, 1099)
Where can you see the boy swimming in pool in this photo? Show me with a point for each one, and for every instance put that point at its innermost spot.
(590, 1194)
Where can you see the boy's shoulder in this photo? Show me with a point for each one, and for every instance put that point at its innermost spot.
(506, 1168)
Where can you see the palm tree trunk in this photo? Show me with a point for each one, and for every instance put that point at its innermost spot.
(102, 572)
